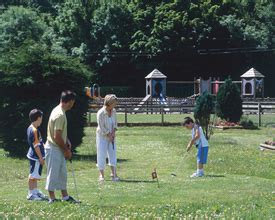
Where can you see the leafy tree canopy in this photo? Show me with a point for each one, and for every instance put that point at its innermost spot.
(18, 24)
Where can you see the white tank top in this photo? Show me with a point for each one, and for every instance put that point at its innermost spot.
(203, 141)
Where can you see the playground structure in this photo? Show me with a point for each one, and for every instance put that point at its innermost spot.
(93, 92)
(155, 90)
(157, 101)
(251, 86)
(200, 85)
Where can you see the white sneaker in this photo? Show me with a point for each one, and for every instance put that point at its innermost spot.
(115, 179)
(194, 175)
(34, 197)
(100, 179)
(41, 195)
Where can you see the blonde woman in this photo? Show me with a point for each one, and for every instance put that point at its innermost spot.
(105, 137)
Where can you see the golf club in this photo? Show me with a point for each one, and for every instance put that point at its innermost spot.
(174, 173)
(75, 187)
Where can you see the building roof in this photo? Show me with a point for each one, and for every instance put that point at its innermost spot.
(252, 73)
(155, 74)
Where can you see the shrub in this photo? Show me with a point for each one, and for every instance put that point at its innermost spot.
(32, 77)
(202, 112)
(229, 102)
(247, 123)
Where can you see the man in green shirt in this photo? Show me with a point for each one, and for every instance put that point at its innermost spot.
(58, 148)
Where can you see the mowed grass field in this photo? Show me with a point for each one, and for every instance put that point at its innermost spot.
(239, 181)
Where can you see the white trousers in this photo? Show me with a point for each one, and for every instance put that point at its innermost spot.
(56, 168)
(105, 149)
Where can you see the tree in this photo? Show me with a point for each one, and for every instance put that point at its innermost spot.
(202, 112)
(229, 102)
(111, 32)
(18, 24)
(70, 28)
(32, 77)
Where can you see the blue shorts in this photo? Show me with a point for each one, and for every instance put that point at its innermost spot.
(35, 169)
(202, 155)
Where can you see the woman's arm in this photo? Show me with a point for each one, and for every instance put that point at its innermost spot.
(101, 121)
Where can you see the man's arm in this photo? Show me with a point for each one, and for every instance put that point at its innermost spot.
(60, 142)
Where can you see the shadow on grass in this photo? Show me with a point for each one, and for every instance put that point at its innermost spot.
(214, 176)
(84, 157)
(81, 157)
(136, 181)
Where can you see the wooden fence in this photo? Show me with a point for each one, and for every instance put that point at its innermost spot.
(175, 106)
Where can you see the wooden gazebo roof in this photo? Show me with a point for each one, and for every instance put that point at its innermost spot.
(252, 73)
(155, 74)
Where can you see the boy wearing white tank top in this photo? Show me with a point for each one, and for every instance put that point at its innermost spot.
(201, 143)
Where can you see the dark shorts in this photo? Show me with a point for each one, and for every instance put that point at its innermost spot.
(35, 169)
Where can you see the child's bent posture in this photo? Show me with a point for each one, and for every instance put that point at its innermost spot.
(201, 143)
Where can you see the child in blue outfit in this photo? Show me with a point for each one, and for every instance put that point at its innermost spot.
(36, 155)
(201, 143)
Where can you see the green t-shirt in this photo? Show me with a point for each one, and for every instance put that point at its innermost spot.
(57, 121)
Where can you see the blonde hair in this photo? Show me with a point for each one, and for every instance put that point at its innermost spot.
(110, 99)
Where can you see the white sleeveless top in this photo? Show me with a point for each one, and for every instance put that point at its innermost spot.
(203, 141)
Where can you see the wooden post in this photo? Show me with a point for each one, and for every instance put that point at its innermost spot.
(259, 114)
(126, 115)
(162, 116)
(89, 117)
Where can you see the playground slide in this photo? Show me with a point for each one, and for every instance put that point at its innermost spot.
(163, 101)
(142, 102)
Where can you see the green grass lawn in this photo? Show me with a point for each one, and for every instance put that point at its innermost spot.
(239, 181)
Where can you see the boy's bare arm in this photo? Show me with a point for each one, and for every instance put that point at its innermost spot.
(38, 152)
(193, 141)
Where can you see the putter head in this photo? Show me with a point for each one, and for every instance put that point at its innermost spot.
(173, 174)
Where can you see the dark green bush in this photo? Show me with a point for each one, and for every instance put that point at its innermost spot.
(229, 102)
(247, 123)
(203, 108)
(32, 77)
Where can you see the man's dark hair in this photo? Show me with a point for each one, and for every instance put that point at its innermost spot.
(187, 120)
(35, 114)
(67, 96)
